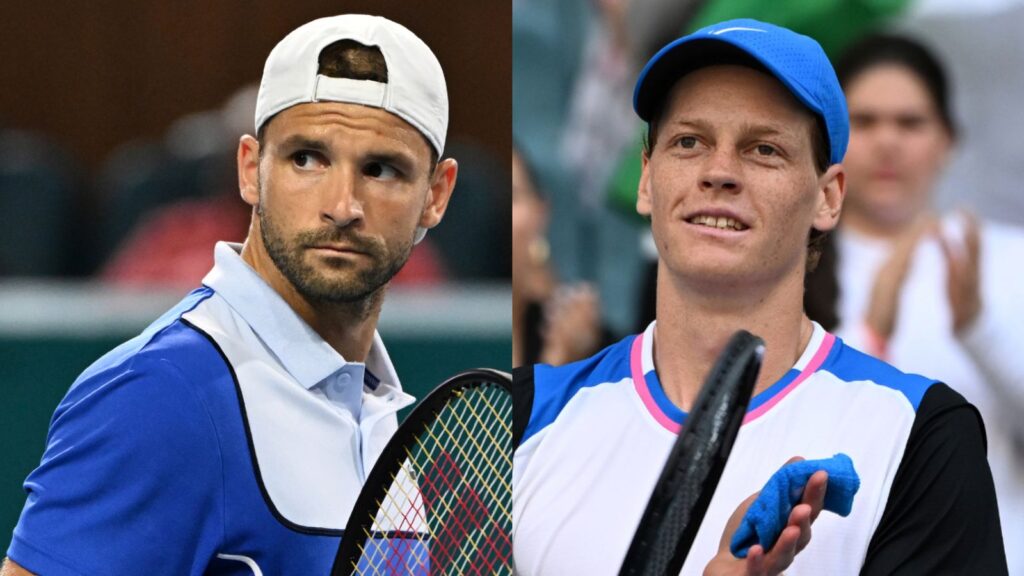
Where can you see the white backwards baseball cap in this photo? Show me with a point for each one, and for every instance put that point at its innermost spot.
(415, 90)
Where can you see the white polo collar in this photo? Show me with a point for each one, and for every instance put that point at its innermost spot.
(300, 350)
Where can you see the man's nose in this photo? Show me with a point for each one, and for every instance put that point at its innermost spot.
(342, 201)
(721, 171)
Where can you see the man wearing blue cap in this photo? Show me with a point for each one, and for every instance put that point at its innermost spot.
(741, 177)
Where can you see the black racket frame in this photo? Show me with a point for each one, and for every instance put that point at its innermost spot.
(681, 497)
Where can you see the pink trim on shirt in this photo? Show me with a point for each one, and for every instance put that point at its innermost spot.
(636, 367)
(811, 368)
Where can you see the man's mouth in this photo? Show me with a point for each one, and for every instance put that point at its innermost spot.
(720, 222)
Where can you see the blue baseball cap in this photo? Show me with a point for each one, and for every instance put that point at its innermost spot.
(796, 60)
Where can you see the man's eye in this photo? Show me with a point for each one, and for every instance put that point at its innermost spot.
(304, 159)
(766, 150)
(687, 142)
(380, 171)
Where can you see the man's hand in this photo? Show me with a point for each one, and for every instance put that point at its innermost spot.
(794, 538)
(962, 279)
(572, 325)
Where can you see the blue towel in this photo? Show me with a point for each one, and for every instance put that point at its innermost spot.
(767, 516)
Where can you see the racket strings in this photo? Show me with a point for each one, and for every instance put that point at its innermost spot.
(447, 511)
(483, 539)
(451, 430)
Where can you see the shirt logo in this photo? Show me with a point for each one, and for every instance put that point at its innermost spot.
(734, 29)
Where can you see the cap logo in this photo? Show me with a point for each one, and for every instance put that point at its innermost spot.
(734, 29)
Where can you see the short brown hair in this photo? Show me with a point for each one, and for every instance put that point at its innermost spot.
(350, 59)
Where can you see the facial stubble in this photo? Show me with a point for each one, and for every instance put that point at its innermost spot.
(363, 284)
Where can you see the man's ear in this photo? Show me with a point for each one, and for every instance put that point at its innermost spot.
(441, 186)
(831, 192)
(249, 170)
(643, 190)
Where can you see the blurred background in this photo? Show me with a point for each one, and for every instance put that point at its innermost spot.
(575, 63)
(584, 257)
(119, 123)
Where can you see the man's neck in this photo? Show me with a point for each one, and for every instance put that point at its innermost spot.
(694, 326)
(348, 327)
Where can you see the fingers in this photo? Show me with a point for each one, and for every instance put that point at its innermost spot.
(782, 553)
(907, 241)
(801, 518)
(885, 292)
(962, 254)
(952, 261)
(571, 327)
(574, 301)
(962, 250)
(814, 493)
(972, 240)
(755, 561)
(797, 534)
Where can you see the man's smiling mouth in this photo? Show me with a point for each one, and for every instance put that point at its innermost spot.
(720, 222)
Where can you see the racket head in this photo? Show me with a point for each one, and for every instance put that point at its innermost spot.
(439, 498)
(683, 492)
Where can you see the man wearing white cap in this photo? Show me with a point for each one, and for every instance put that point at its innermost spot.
(232, 436)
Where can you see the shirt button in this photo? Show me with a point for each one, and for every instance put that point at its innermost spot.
(344, 378)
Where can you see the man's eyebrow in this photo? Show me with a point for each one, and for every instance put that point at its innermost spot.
(691, 122)
(758, 129)
(768, 130)
(405, 162)
(300, 142)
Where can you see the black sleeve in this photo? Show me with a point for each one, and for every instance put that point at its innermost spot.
(941, 516)
(522, 401)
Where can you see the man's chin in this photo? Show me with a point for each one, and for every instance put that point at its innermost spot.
(334, 294)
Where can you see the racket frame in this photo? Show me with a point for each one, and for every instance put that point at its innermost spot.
(719, 410)
(391, 459)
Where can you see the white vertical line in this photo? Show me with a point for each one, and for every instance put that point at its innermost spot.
(245, 560)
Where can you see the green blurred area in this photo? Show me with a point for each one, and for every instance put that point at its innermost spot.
(37, 372)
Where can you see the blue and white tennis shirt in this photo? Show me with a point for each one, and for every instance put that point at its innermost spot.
(599, 431)
(227, 438)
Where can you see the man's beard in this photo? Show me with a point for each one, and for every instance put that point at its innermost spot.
(288, 255)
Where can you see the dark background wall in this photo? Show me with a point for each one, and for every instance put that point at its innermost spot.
(94, 74)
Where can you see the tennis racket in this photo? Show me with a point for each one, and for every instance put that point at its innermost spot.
(439, 498)
(694, 467)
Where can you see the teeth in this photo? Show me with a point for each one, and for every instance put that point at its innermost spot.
(721, 222)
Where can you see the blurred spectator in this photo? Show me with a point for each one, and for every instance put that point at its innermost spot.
(479, 247)
(551, 324)
(39, 196)
(547, 41)
(941, 295)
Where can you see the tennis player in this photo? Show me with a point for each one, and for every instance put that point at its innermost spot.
(742, 173)
(232, 436)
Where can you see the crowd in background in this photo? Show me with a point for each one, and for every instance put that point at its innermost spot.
(924, 270)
